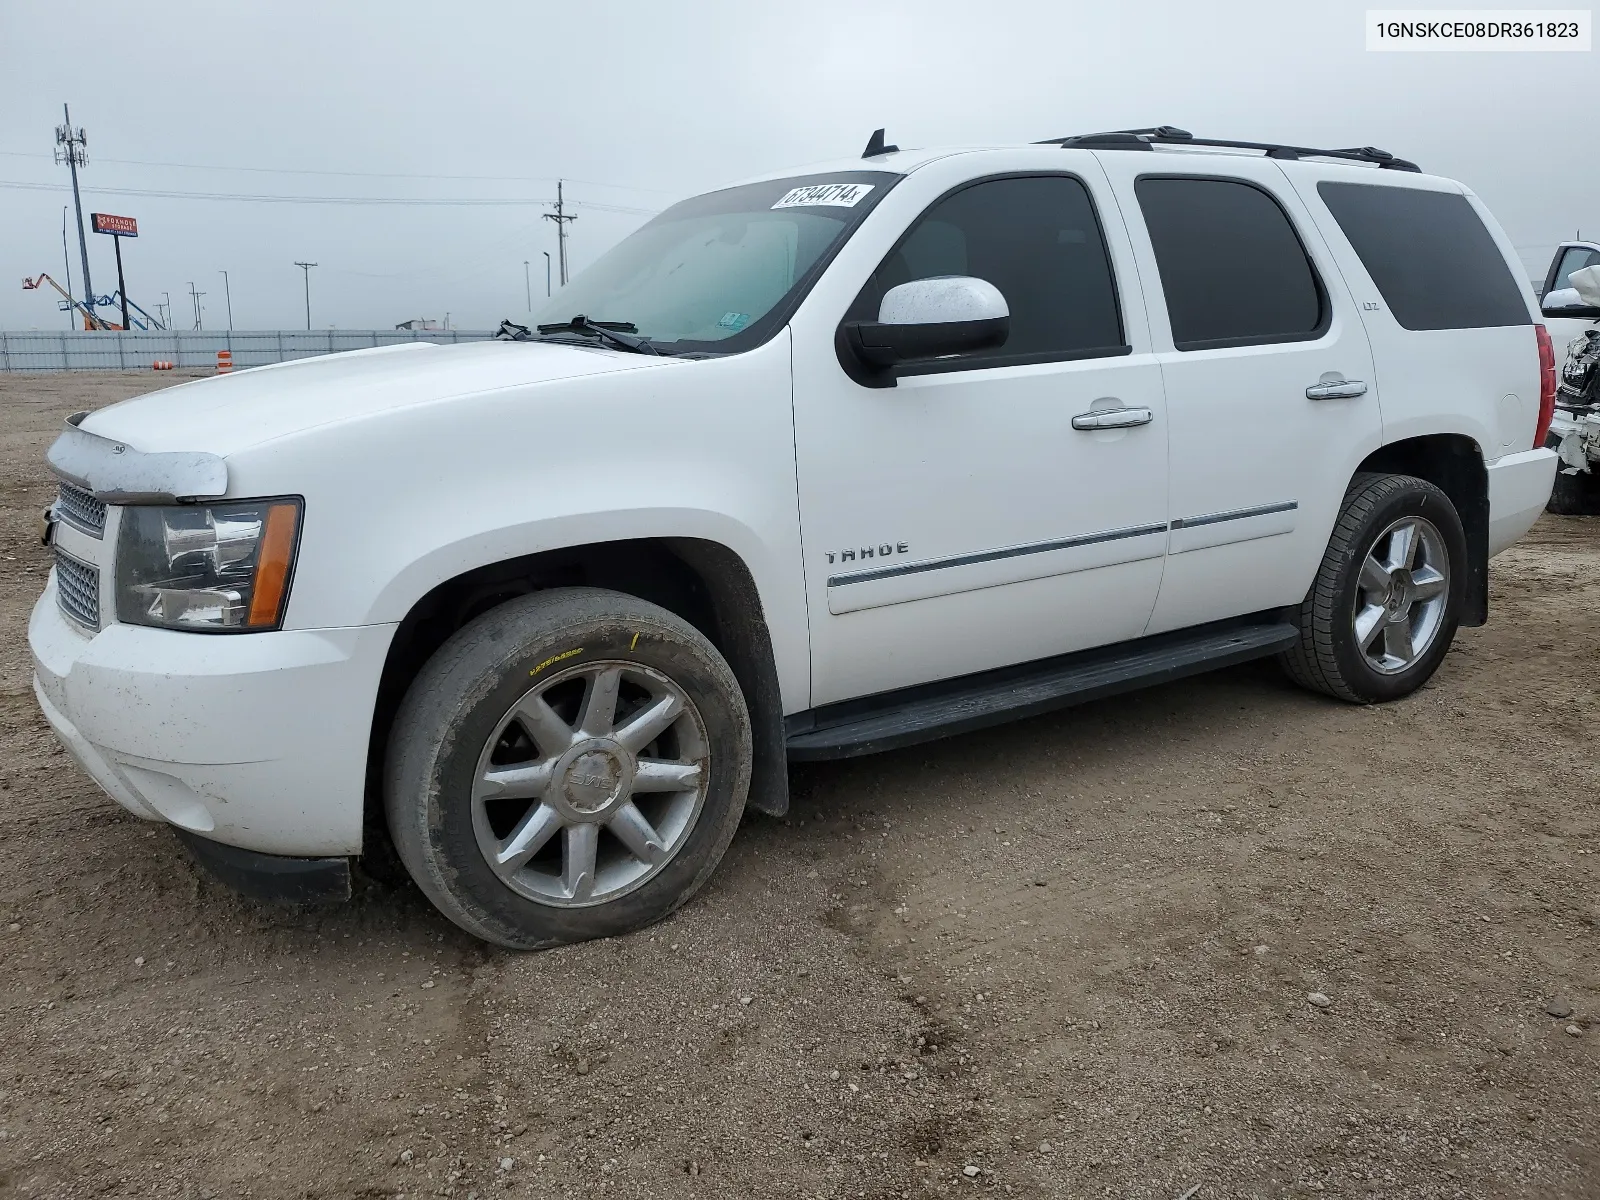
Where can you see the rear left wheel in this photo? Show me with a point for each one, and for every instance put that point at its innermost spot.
(1387, 599)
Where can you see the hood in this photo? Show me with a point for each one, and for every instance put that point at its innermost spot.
(230, 412)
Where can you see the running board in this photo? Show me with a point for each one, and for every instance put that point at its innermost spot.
(853, 728)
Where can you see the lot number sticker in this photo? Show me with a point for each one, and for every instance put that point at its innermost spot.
(834, 195)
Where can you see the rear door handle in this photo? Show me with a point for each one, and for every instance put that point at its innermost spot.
(1336, 389)
(1113, 418)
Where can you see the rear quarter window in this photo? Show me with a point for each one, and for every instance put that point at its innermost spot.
(1430, 256)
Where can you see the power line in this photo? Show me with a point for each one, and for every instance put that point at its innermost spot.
(253, 198)
(137, 162)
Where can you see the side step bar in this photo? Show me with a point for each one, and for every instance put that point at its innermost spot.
(853, 728)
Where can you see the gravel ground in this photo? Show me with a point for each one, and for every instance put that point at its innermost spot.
(1222, 938)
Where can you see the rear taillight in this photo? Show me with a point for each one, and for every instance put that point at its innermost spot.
(1547, 384)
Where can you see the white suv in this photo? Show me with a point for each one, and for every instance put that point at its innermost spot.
(814, 466)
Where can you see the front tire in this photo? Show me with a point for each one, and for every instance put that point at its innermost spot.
(1387, 598)
(570, 765)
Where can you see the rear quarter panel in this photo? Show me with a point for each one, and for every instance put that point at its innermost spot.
(1481, 383)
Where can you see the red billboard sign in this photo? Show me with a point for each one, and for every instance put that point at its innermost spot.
(121, 226)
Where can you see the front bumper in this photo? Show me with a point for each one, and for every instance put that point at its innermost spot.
(1519, 488)
(257, 740)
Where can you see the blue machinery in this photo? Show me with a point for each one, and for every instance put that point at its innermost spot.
(92, 320)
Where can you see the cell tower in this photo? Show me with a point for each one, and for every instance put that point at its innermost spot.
(72, 149)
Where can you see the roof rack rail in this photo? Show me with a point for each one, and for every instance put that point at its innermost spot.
(1171, 135)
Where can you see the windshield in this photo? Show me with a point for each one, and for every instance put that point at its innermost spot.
(723, 271)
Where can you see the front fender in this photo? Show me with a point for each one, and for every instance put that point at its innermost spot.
(400, 502)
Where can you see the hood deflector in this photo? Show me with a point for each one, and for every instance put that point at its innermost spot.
(116, 473)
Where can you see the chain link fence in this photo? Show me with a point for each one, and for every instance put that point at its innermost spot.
(80, 350)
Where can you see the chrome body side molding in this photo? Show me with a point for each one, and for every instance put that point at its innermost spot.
(983, 556)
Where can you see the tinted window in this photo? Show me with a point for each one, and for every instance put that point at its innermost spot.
(1232, 267)
(1037, 240)
(1433, 261)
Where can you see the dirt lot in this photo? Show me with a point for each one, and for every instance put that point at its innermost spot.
(1066, 958)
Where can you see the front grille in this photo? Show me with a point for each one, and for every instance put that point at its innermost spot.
(79, 508)
(78, 589)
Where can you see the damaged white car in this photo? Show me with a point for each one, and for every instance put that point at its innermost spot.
(1575, 428)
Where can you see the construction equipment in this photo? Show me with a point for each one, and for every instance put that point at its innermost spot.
(147, 323)
(92, 320)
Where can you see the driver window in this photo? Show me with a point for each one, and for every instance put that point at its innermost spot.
(1575, 259)
(1035, 238)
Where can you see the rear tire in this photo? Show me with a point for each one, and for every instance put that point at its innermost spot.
(1574, 495)
(1387, 598)
(570, 765)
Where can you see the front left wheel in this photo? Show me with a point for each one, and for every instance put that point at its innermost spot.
(570, 765)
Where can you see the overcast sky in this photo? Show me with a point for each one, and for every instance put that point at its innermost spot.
(638, 104)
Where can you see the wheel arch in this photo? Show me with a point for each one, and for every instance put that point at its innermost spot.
(1454, 464)
(704, 582)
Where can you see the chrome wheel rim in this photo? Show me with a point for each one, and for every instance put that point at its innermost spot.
(590, 784)
(1401, 595)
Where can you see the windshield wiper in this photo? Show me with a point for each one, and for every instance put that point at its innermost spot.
(618, 333)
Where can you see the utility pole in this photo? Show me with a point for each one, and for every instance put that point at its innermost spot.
(305, 268)
(71, 148)
(561, 216)
(194, 297)
(166, 310)
(229, 294)
(66, 261)
(122, 286)
(526, 286)
(546, 254)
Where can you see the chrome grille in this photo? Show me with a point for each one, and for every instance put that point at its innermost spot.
(81, 509)
(78, 589)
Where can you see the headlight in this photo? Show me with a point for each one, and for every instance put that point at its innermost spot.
(222, 568)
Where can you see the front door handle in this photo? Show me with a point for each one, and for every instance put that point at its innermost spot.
(1113, 418)
(1336, 389)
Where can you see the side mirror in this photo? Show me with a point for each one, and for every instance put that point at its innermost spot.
(932, 318)
(1565, 302)
(1581, 300)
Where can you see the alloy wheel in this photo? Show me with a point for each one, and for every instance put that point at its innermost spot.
(590, 784)
(1401, 595)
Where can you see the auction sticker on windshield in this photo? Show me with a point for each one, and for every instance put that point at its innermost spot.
(834, 195)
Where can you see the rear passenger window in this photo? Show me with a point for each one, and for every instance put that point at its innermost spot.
(1232, 267)
(1433, 261)
(1037, 239)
